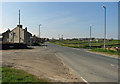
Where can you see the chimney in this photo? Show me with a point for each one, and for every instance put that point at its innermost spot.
(20, 26)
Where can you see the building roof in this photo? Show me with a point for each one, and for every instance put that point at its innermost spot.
(6, 31)
(29, 33)
(14, 29)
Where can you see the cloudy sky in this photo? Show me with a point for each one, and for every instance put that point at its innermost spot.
(70, 19)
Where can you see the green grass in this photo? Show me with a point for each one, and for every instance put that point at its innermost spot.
(11, 75)
(110, 52)
(85, 44)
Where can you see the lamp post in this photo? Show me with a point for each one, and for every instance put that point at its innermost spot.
(104, 27)
(39, 32)
(90, 35)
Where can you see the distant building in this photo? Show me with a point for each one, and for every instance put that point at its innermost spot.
(34, 40)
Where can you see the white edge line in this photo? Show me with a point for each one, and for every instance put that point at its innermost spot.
(84, 80)
(71, 68)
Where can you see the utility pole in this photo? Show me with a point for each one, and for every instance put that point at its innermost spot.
(90, 35)
(104, 27)
(19, 26)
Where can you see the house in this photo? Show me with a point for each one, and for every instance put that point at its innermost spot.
(17, 35)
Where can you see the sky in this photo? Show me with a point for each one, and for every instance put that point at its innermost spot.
(70, 19)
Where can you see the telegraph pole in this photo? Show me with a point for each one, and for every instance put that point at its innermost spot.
(19, 26)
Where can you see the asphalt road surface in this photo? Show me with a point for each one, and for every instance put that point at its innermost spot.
(91, 67)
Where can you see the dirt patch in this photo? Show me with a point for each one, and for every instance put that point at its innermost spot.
(40, 62)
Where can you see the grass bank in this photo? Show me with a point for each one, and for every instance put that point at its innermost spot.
(109, 52)
(10, 75)
(86, 44)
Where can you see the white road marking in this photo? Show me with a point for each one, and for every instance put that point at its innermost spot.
(112, 65)
(44, 47)
(84, 80)
(71, 69)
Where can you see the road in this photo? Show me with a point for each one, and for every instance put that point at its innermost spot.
(91, 67)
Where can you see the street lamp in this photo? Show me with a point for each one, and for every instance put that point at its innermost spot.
(39, 32)
(90, 35)
(104, 27)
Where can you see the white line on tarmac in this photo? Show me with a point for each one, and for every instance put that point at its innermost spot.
(72, 69)
(112, 65)
(84, 80)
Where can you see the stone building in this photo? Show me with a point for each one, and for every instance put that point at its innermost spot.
(17, 35)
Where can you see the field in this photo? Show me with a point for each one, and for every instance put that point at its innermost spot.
(86, 44)
(96, 46)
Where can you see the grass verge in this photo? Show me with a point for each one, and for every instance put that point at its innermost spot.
(110, 52)
(10, 75)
